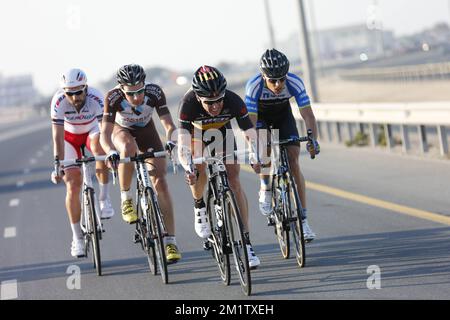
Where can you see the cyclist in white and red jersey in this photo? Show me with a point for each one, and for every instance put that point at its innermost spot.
(76, 112)
(267, 98)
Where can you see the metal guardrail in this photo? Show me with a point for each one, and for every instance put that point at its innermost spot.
(374, 116)
(405, 73)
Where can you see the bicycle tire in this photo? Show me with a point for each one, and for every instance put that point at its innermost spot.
(143, 228)
(280, 215)
(158, 237)
(95, 241)
(237, 241)
(296, 223)
(219, 243)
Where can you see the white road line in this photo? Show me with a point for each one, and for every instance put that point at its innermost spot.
(39, 154)
(33, 161)
(8, 290)
(20, 184)
(14, 202)
(10, 232)
(26, 171)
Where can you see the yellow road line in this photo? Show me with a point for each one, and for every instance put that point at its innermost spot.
(422, 214)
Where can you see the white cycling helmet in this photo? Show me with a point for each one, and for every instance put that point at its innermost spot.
(73, 78)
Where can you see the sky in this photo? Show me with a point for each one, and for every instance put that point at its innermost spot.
(47, 37)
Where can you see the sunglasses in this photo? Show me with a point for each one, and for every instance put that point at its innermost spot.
(75, 93)
(275, 80)
(134, 93)
(211, 102)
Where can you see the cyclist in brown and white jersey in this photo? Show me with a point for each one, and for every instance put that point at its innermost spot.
(209, 106)
(128, 127)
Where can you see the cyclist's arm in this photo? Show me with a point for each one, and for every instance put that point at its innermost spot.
(310, 120)
(184, 148)
(169, 126)
(58, 141)
(109, 118)
(105, 136)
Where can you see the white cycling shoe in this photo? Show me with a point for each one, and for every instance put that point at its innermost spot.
(308, 234)
(77, 249)
(202, 227)
(265, 202)
(106, 209)
(253, 260)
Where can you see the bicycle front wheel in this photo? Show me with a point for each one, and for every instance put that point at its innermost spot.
(295, 219)
(93, 230)
(157, 229)
(220, 250)
(237, 241)
(144, 234)
(280, 214)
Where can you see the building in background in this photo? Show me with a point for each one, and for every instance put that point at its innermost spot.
(16, 91)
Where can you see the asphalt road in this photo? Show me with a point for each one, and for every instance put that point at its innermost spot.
(354, 234)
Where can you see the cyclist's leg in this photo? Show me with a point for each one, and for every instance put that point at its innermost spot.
(293, 155)
(148, 138)
(288, 129)
(102, 173)
(93, 144)
(241, 199)
(125, 144)
(73, 180)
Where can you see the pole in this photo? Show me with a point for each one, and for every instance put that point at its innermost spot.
(305, 54)
(269, 24)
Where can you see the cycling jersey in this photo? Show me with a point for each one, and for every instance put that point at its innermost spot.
(192, 115)
(260, 100)
(77, 122)
(120, 111)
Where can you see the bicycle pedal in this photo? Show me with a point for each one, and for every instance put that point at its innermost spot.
(206, 246)
(137, 239)
(270, 222)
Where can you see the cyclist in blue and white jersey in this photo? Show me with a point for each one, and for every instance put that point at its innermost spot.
(267, 99)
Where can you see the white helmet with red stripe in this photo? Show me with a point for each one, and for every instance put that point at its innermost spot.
(73, 78)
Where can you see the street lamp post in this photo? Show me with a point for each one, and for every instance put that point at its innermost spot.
(269, 24)
(305, 53)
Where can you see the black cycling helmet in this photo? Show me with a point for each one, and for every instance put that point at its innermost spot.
(130, 75)
(208, 82)
(274, 64)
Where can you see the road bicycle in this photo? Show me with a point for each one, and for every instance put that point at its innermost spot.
(227, 232)
(91, 224)
(286, 216)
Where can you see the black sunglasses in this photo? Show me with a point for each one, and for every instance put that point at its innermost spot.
(75, 93)
(211, 102)
(276, 80)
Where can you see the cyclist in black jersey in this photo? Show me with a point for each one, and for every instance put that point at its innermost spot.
(204, 119)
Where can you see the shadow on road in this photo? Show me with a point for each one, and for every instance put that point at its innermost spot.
(334, 265)
(406, 258)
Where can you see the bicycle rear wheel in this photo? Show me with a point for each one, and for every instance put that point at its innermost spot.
(220, 250)
(295, 219)
(238, 241)
(280, 215)
(156, 224)
(93, 231)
